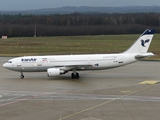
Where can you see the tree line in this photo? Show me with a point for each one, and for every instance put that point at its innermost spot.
(77, 24)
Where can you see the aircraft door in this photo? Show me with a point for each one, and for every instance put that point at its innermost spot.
(39, 61)
(89, 61)
(120, 59)
(19, 63)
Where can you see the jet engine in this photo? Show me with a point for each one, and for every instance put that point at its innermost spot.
(54, 72)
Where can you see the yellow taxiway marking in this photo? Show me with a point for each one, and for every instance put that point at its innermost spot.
(90, 118)
(104, 103)
(125, 91)
(152, 82)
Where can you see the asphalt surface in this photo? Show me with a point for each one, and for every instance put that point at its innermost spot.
(98, 95)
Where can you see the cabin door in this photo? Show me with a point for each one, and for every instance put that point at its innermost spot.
(19, 63)
(39, 61)
(89, 61)
(120, 59)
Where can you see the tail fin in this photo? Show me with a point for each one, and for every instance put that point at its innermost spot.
(143, 42)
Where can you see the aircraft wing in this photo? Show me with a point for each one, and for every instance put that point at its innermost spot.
(71, 67)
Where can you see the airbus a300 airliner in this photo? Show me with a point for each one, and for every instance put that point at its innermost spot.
(61, 64)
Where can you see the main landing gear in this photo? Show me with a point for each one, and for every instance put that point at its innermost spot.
(75, 75)
(22, 76)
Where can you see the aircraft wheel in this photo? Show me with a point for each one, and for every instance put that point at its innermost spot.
(73, 76)
(22, 76)
(77, 75)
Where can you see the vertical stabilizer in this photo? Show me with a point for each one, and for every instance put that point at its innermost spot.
(143, 42)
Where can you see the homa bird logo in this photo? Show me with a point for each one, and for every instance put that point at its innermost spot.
(144, 42)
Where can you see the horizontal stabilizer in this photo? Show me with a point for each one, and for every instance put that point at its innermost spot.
(140, 56)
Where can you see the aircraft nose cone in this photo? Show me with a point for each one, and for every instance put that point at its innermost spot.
(4, 65)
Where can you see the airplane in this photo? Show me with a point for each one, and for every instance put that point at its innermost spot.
(61, 64)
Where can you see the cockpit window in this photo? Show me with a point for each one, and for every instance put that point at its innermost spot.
(9, 61)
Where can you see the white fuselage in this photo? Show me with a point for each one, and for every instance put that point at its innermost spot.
(67, 62)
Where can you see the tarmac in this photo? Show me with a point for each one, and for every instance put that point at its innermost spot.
(127, 93)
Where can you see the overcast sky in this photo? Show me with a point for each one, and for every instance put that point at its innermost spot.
(38, 4)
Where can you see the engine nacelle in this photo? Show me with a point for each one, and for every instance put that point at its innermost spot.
(54, 72)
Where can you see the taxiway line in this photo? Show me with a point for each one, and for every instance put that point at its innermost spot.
(24, 99)
(104, 103)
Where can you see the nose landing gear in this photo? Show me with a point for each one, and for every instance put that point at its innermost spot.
(22, 76)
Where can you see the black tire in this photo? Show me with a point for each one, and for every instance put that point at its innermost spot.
(22, 76)
(77, 75)
(73, 76)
